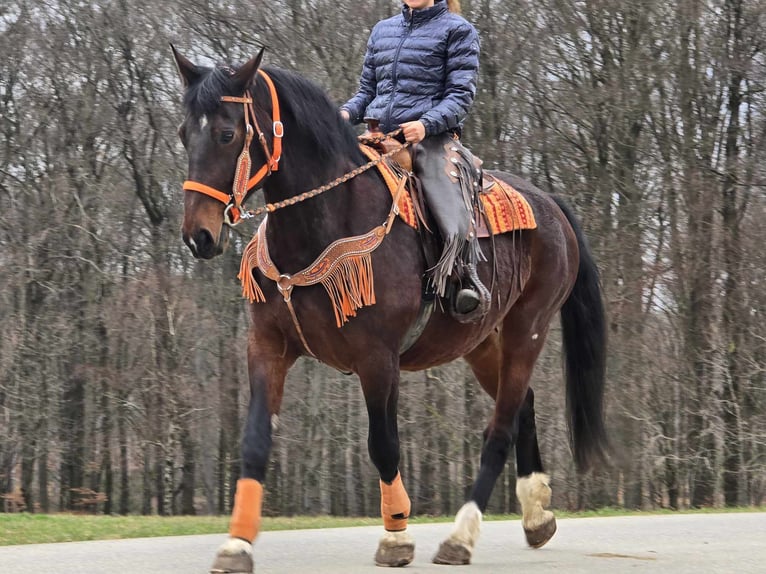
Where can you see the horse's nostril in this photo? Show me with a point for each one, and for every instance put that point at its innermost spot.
(203, 238)
(204, 245)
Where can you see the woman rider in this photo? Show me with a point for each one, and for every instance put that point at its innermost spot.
(420, 72)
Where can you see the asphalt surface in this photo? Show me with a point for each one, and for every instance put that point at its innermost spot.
(681, 544)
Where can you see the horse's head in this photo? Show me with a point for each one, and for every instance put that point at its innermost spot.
(217, 133)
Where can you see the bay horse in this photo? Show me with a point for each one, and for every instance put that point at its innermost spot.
(537, 273)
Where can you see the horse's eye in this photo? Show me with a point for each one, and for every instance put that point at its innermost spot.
(227, 136)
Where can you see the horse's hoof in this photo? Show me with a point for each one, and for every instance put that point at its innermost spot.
(395, 549)
(234, 557)
(538, 537)
(232, 565)
(395, 557)
(453, 553)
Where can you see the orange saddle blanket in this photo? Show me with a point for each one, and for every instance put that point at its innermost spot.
(505, 209)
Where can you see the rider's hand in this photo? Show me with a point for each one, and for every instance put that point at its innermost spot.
(344, 115)
(414, 132)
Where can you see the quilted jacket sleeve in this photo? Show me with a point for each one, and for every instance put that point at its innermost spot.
(367, 84)
(460, 85)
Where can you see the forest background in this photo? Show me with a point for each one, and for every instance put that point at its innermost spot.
(122, 371)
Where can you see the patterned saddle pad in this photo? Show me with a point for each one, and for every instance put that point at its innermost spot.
(505, 209)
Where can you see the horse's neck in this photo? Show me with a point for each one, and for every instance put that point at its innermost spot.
(298, 233)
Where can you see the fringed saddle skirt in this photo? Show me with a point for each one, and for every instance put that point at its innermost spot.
(346, 272)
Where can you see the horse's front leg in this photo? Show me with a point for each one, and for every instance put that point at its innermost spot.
(267, 366)
(380, 384)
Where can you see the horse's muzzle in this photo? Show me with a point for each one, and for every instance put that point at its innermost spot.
(202, 244)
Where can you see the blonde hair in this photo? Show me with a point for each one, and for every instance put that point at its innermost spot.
(454, 6)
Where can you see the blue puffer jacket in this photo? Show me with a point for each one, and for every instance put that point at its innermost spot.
(420, 65)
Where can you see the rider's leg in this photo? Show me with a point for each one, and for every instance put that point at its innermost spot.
(449, 183)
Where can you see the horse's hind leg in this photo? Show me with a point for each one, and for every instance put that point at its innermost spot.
(503, 366)
(380, 384)
(532, 484)
(485, 363)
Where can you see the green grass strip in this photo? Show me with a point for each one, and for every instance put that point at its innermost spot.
(46, 528)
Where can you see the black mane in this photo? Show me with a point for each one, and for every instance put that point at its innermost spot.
(304, 105)
(204, 95)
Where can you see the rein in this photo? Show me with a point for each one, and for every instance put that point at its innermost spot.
(271, 207)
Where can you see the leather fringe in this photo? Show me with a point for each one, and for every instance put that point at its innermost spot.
(250, 289)
(460, 252)
(440, 273)
(466, 176)
(350, 287)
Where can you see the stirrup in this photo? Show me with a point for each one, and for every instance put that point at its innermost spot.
(471, 303)
(466, 300)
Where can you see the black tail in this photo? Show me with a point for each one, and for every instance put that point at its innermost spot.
(584, 336)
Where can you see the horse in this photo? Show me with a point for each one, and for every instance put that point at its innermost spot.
(534, 275)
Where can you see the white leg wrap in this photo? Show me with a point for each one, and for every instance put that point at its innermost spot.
(235, 546)
(534, 493)
(467, 525)
(395, 539)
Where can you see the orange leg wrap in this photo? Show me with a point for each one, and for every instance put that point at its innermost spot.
(246, 516)
(394, 504)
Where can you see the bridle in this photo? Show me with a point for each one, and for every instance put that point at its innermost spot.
(235, 212)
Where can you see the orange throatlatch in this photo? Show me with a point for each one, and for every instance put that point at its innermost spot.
(246, 516)
(234, 212)
(394, 504)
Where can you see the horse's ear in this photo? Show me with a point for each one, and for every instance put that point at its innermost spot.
(245, 76)
(186, 69)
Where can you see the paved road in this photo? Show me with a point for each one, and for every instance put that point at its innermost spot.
(681, 544)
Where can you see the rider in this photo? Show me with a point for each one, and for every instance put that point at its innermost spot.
(420, 72)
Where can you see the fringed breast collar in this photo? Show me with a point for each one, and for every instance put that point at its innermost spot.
(344, 269)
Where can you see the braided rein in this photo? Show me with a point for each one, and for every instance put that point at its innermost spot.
(272, 207)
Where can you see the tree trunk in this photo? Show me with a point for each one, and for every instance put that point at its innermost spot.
(188, 473)
(122, 437)
(733, 316)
